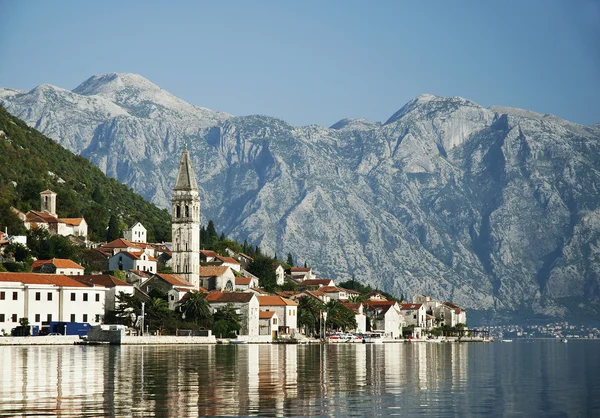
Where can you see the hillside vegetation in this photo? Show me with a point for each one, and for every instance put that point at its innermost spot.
(31, 163)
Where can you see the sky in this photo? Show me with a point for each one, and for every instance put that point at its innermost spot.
(316, 62)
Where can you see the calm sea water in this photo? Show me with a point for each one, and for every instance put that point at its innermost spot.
(517, 379)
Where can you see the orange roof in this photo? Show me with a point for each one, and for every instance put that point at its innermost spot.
(229, 260)
(47, 191)
(174, 279)
(331, 289)
(410, 306)
(229, 297)
(40, 217)
(243, 281)
(71, 221)
(379, 303)
(122, 243)
(137, 255)
(300, 269)
(316, 282)
(61, 263)
(275, 301)
(209, 253)
(265, 314)
(354, 307)
(212, 271)
(105, 280)
(456, 308)
(35, 278)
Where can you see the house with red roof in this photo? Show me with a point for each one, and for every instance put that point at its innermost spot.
(244, 283)
(268, 323)
(47, 218)
(286, 309)
(299, 274)
(113, 286)
(48, 297)
(217, 278)
(384, 316)
(414, 314)
(57, 266)
(359, 315)
(132, 260)
(174, 285)
(315, 283)
(228, 262)
(246, 305)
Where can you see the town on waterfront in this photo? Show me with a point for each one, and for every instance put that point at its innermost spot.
(210, 289)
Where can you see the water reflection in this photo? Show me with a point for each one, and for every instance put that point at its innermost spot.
(344, 379)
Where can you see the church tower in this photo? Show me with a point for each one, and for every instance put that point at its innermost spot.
(185, 222)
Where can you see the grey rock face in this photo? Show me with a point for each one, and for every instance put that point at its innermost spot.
(496, 209)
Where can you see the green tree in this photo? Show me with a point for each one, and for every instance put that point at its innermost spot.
(128, 309)
(226, 322)
(339, 317)
(262, 267)
(114, 229)
(211, 236)
(309, 311)
(19, 252)
(196, 308)
(290, 259)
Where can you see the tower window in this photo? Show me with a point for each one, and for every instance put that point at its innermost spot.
(177, 211)
(187, 211)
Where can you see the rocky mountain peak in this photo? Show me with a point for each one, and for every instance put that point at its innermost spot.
(349, 124)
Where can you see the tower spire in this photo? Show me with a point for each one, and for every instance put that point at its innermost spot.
(186, 180)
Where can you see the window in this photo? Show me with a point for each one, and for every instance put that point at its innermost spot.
(37, 317)
(2, 296)
(49, 296)
(97, 318)
(38, 296)
(84, 317)
(85, 297)
(15, 296)
(97, 297)
(49, 317)
(274, 321)
(177, 212)
(72, 317)
(14, 317)
(2, 317)
(73, 297)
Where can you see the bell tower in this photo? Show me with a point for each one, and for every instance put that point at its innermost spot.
(185, 221)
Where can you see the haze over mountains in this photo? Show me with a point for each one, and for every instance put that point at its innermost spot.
(497, 209)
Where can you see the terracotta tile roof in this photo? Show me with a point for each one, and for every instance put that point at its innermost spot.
(456, 308)
(275, 301)
(212, 271)
(141, 273)
(258, 290)
(354, 307)
(122, 243)
(47, 191)
(229, 260)
(316, 282)
(174, 279)
(208, 253)
(288, 293)
(47, 279)
(410, 306)
(330, 289)
(229, 297)
(137, 255)
(56, 262)
(243, 281)
(265, 314)
(300, 269)
(71, 221)
(378, 303)
(40, 217)
(105, 280)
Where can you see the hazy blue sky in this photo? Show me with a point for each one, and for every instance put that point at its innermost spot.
(317, 61)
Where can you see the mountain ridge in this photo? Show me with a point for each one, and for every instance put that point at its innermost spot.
(495, 208)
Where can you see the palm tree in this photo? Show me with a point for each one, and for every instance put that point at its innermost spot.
(339, 317)
(196, 308)
(309, 310)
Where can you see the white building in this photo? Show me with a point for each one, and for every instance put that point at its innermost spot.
(414, 314)
(185, 221)
(286, 310)
(229, 262)
(299, 274)
(48, 297)
(246, 304)
(279, 274)
(126, 261)
(57, 266)
(359, 315)
(48, 219)
(137, 233)
(268, 323)
(385, 316)
(113, 287)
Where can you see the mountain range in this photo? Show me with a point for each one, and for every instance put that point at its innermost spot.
(496, 209)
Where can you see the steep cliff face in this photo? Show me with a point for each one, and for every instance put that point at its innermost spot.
(497, 209)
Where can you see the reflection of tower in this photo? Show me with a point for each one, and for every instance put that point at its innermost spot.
(48, 198)
(186, 222)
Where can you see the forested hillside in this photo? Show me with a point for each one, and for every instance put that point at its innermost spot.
(31, 163)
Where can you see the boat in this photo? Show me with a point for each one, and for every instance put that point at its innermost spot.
(372, 338)
(564, 340)
(507, 341)
(238, 342)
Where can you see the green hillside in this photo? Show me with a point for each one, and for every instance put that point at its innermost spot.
(36, 163)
